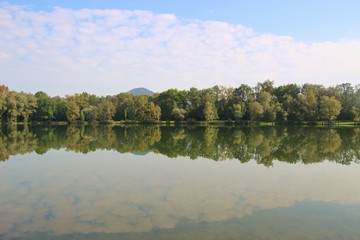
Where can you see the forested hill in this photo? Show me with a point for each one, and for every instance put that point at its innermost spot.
(141, 91)
(264, 102)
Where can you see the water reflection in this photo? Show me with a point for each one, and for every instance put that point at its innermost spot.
(263, 144)
(135, 191)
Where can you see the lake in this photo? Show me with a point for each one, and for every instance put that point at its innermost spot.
(152, 182)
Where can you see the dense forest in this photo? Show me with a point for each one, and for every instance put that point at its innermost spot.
(264, 102)
(291, 144)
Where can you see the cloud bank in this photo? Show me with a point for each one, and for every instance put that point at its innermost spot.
(64, 51)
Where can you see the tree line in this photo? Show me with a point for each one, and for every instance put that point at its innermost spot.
(264, 145)
(264, 102)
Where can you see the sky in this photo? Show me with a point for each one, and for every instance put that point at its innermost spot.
(107, 47)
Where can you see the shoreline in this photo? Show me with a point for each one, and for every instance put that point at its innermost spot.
(191, 123)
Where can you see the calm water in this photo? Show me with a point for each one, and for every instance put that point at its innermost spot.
(179, 183)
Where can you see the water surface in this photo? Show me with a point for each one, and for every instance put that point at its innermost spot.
(179, 183)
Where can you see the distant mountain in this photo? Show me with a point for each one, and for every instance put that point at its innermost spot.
(141, 91)
(141, 153)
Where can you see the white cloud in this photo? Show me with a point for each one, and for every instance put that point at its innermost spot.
(109, 51)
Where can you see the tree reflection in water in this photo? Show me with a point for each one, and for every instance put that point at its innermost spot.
(262, 144)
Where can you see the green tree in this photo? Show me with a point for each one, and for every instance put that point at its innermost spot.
(266, 86)
(295, 108)
(20, 105)
(244, 94)
(256, 111)
(91, 113)
(106, 110)
(270, 112)
(210, 112)
(155, 111)
(356, 107)
(264, 98)
(312, 106)
(313, 94)
(4, 92)
(82, 100)
(346, 98)
(269, 105)
(60, 109)
(223, 102)
(169, 100)
(29, 106)
(330, 108)
(284, 91)
(72, 108)
(45, 107)
(140, 103)
(194, 106)
(14, 107)
(125, 107)
(149, 112)
(239, 110)
(179, 114)
(128, 110)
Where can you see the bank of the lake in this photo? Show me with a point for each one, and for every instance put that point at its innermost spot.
(192, 122)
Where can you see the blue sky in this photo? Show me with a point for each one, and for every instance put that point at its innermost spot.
(106, 47)
(307, 20)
